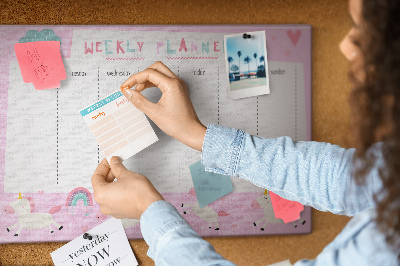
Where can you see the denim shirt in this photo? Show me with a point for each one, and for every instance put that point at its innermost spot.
(312, 173)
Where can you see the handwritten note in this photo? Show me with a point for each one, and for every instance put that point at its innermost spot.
(209, 186)
(118, 126)
(41, 63)
(109, 246)
(284, 209)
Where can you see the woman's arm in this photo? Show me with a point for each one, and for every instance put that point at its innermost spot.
(172, 241)
(312, 173)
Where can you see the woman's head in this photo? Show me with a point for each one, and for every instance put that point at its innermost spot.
(373, 48)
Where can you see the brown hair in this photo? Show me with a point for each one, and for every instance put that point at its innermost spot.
(375, 103)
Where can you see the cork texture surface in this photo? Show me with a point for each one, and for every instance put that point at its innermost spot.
(330, 22)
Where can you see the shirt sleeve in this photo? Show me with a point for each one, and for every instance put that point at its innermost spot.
(172, 241)
(313, 173)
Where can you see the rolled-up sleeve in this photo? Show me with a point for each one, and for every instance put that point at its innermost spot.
(172, 241)
(313, 173)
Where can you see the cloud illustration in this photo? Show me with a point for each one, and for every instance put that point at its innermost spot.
(43, 35)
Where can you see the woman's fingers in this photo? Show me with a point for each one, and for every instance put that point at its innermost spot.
(142, 86)
(160, 67)
(174, 113)
(146, 79)
(141, 102)
(110, 177)
(119, 170)
(159, 80)
(100, 174)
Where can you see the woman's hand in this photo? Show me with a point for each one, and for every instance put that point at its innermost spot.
(127, 197)
(173, 113)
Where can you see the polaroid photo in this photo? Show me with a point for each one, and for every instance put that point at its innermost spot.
(246, 64)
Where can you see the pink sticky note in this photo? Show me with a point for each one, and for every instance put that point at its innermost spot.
(41, 63)
(286, 210)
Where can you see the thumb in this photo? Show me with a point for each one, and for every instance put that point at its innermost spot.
(138, 100)
(117, 167)
(99, 176)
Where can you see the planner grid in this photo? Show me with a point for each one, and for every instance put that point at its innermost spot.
(49, 149)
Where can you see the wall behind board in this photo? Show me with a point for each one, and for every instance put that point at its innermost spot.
(330, 22)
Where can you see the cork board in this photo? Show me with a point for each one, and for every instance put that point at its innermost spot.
(330, 22)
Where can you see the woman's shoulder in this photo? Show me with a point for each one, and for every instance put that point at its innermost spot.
(361, 240)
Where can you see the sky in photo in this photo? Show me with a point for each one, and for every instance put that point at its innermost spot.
(248, 47)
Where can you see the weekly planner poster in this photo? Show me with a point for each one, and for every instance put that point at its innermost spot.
(48, 154)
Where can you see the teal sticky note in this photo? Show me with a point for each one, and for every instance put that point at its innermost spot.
(209, 186)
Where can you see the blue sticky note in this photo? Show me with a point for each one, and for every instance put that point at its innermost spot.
(209, 186)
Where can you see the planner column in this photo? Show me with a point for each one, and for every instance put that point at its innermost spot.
(76, 157)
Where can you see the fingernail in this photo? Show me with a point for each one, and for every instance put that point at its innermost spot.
(115, 160)
(128, 94)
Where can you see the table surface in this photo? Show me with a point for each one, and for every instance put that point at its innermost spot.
(330, 22)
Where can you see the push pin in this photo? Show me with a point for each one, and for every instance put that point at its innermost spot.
(87, 236)
(125, 88)
(246, 36)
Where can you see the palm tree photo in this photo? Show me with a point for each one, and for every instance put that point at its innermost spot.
(230, 60)
(262, 59)
(247, 60)
(239, 54)
(255, 60)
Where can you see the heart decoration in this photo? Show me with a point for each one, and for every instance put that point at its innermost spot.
(294, 36)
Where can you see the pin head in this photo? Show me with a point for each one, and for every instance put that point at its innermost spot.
(87, 236)
(246, 36)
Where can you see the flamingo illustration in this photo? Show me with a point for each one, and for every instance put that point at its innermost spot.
(23, 207)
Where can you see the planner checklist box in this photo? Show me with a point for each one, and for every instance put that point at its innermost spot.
(118, 126)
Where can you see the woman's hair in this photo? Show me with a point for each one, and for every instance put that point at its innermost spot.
(375, 103)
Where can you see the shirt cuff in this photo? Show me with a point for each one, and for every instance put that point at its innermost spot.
(222, 148)
(158, 219)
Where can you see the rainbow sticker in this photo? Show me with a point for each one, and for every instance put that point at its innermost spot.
(79, 193)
